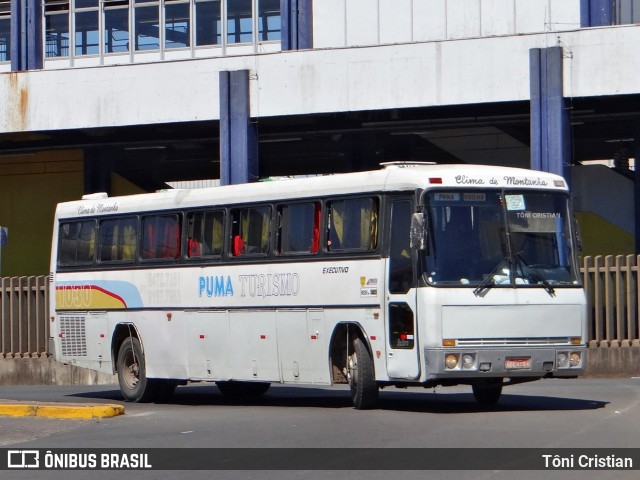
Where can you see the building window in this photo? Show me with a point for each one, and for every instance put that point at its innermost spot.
(208, 22)
(239, 21)
(147, 25)
(56, 21)
(86, 28)
(116, 26)
(177, 24)
(269, 20)
(76, 28)
(5, 31)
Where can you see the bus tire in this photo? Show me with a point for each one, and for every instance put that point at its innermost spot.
(134, 384)
(362, 381)
(487, 392)
(243, 389)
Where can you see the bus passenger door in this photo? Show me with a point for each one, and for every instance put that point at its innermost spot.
(400, 295)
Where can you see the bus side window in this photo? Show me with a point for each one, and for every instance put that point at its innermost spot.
(76, 242)
(237, 242)
(108, 238)
(205, 233)
(317, 218)
(161, 236)
(213, 233)
(194, 234)
(400, 265)
(352, 225)
(129, 241)
(299, 228)
(250, 231)
(118, 239)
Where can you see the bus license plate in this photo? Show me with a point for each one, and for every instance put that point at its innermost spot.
(517, 363)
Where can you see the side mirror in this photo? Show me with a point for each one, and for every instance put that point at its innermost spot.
(418, 234)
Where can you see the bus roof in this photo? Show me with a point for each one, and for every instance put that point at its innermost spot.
(394, 176)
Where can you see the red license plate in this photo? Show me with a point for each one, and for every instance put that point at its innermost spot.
(517, 363)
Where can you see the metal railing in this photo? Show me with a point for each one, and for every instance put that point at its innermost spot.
(24, 317)
(613, 291)
(612, 286)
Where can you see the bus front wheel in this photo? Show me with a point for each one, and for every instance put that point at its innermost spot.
(134, 384)
(362, 381)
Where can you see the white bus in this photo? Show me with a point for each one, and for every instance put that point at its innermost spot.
(411, 275)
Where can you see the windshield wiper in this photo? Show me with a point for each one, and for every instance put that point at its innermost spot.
(488, 281)
(537, 275)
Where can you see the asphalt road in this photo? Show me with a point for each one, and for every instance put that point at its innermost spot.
(549, 414)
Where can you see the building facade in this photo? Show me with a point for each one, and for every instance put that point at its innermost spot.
(125, 96)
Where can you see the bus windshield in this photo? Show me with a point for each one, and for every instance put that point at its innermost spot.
(494, 238)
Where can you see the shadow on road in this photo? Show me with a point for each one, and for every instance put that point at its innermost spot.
(465, 403)
(412, 400)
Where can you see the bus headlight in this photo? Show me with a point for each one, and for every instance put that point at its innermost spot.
(574, 359)
(562, 360)
(468, 361)
(451, 361)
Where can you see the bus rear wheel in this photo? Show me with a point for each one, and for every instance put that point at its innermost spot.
(487, 392)
(134, 384)
(362, 380)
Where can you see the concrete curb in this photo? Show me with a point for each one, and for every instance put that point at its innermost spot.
(10, 408)
(46, 371)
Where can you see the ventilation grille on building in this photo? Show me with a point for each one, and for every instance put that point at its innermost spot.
(74, 340)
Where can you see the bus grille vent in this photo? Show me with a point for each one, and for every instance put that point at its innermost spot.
(513, 342)
(74, 340)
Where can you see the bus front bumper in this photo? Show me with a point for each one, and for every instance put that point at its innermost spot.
(557, 361)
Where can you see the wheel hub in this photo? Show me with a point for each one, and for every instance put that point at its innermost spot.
(133, 375)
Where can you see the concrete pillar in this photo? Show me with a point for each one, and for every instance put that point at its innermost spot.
(238, 135)
(596, 13)
(35, 48)
(26, 35)
(550, 121)
(18, 35)
(296, 19)
(98, 164)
